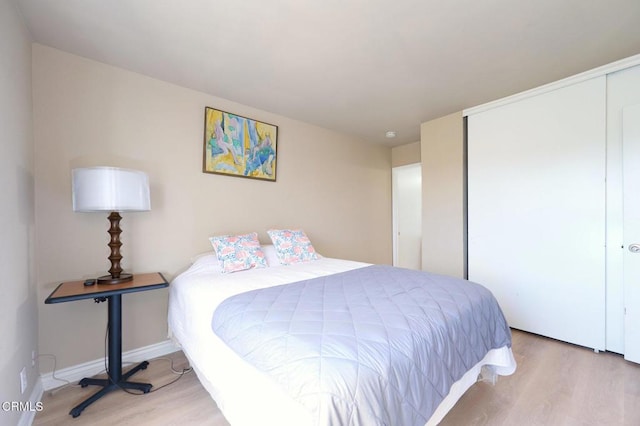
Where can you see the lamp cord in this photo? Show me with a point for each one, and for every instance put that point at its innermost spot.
(51, 392)
(173, 370)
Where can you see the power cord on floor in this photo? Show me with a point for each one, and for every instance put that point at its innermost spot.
(68, 383)
(53, 374)
(173, 370)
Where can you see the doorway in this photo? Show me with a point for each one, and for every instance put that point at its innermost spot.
(407, 216)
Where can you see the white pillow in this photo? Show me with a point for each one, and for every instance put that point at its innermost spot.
(206, 261)
(209, 259)
(205, 254)
(271, 254)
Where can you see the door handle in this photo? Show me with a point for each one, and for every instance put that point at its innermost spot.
(634, 248)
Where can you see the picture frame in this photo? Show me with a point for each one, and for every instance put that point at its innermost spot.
(235, 145)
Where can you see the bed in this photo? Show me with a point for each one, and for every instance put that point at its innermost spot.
(206, 305)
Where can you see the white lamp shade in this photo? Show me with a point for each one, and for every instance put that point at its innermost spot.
(97, 189)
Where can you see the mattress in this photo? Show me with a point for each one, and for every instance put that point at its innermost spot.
(244, 394)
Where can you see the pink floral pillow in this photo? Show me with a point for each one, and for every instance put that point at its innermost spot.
(292, 246)
(238, 252)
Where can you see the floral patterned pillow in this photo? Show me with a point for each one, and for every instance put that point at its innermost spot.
(238, 252)
(292, 246)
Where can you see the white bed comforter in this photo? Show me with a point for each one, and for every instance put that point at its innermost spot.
(245, 395)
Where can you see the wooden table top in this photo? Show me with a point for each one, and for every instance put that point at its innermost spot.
(76, 290)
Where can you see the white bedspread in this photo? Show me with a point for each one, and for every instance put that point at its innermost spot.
(245, 395)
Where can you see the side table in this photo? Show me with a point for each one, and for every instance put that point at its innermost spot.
(76, 290)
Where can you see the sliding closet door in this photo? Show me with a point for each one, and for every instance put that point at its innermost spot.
(536, 210)
(631, 176)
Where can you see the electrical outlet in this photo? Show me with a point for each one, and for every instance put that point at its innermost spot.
(23, 379)
(34, 355)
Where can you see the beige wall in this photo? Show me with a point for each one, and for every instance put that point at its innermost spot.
(443, 249)
(18, 311)
(405, 154)
(86, 113)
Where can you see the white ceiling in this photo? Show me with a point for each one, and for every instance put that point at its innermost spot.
(360, 67)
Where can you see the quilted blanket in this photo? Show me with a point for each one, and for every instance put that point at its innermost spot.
(373, 346)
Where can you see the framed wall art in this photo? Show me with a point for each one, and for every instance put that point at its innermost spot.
(239, 146)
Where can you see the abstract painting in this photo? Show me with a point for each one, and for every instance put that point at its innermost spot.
(239, 146)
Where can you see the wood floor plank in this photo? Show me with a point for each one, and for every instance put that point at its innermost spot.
(184, 402)
(556, 383)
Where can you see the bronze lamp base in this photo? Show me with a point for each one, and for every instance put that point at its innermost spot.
(117, 276)
(108, 279)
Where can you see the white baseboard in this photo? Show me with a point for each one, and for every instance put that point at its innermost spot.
(91, 368)
(27, 417)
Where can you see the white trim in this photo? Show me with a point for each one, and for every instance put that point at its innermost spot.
(587, 75)
(27, 417)
(91, 368)
(394, 215)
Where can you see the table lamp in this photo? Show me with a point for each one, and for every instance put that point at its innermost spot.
(115, 190)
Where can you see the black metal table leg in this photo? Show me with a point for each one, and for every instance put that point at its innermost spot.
(115, 379)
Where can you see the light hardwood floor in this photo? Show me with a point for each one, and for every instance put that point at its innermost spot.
(555, 384)
(184, 402)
